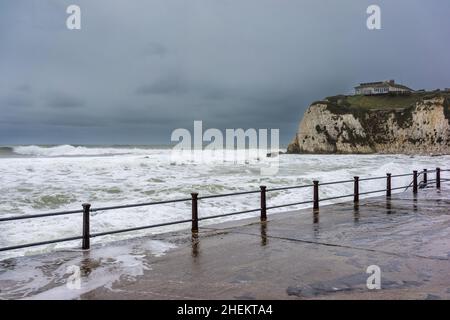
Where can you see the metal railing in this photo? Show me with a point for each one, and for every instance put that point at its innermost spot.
(194, 220)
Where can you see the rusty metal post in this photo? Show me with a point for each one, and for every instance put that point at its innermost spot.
(194, 196)
(86, 232)
(356, 190)
(438, 178)
(415, 188)
(425, 176)
(316, 195)
(263, 203)
(388, 184)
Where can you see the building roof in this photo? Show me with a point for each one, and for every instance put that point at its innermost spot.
(380, 84)
(400, 86)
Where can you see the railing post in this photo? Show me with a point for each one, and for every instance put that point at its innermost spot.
(86, 232)
(425, 176)
(356, 190)
(388, 184)
(194, 196)
(263, 203)
(438, 178)
(415, 181)
(316, 195)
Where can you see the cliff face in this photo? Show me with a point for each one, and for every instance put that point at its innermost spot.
(339, 125)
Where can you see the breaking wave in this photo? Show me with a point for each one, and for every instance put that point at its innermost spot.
(6, 151)
(70, 151)
(37, 179)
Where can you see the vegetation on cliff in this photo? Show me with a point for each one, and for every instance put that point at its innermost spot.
(380, 102)
(366, 124)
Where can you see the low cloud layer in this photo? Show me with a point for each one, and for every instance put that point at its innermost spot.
(138, 70)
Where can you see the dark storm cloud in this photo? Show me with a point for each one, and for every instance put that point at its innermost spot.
(62, 100)
(155, 49)
(24, 88)
(166, 85)
(17, 100)
(12, 97)
(139, 69)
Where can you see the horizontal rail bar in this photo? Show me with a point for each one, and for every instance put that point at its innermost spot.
(229, 214)
(398, 188)
(401, 175)
(34, 244)
(374, 178)
(61, 213)
(335, 182)
(290, 204)
(227, 194)
(144, 204)
(373, 191)
(30, 216)
(40, 215)
(98, 234)
(337, 197)
(293, 187)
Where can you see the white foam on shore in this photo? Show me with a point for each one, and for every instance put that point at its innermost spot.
(46, 278)
(131, 175)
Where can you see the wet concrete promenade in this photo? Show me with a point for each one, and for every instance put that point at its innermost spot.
(294, 255)
(301, 255)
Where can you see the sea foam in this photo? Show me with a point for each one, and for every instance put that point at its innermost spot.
(64, 177)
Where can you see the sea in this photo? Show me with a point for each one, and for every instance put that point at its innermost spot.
(40, 179)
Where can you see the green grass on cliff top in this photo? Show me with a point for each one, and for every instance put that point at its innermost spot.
(383, 101)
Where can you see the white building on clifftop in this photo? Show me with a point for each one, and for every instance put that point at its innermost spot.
(381, 87)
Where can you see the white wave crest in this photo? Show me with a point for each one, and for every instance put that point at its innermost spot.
(68, 150)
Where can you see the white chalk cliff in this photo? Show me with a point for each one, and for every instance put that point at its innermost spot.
(335, 125)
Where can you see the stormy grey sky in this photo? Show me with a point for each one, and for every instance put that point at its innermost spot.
(139, 69)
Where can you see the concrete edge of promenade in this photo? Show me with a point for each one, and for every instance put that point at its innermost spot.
(298, 254)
